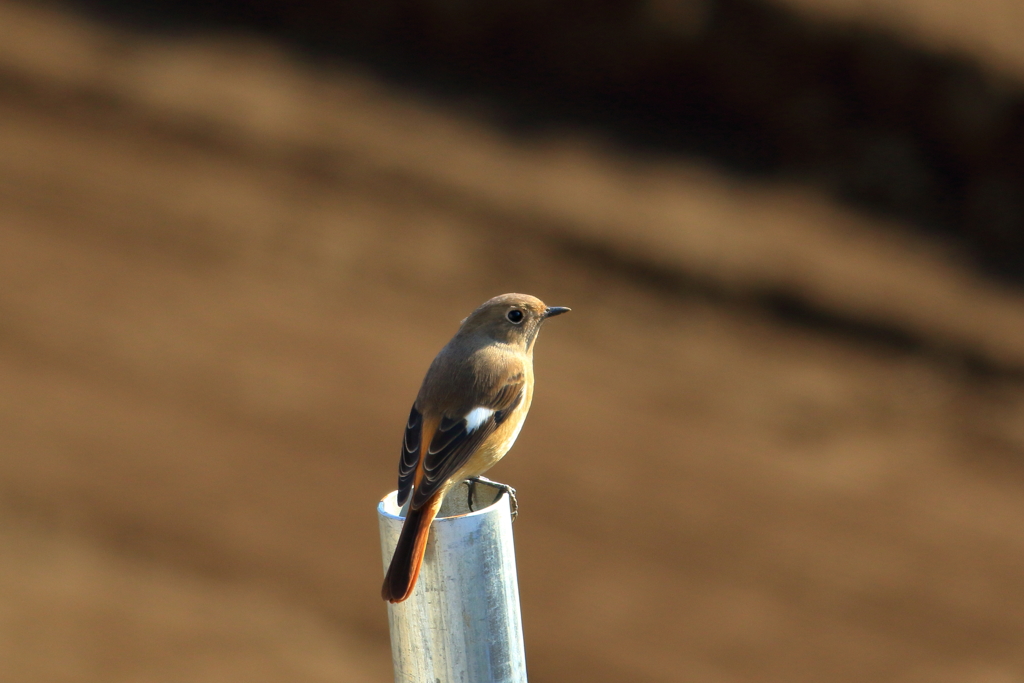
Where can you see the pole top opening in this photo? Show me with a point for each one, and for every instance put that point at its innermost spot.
(455, 505)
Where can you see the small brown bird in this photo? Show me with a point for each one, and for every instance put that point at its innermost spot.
(469, 411)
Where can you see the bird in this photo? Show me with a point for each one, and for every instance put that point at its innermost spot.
(466, 416)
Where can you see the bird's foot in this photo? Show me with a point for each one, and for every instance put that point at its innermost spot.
(504, 488)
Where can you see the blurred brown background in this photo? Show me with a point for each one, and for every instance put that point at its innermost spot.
(780, 438)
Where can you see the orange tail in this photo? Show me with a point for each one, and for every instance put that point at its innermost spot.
(412, 543)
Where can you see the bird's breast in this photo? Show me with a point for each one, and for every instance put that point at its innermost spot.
(500, 441)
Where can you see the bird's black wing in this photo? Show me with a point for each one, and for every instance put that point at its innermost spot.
(453, 444)
(411, 445)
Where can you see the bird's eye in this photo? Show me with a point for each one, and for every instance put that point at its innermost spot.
(515, 316)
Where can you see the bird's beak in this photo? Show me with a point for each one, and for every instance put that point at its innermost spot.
(552, 311)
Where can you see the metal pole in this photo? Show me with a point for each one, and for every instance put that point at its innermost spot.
(462, 622)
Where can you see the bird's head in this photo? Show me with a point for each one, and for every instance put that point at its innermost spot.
(510, 318)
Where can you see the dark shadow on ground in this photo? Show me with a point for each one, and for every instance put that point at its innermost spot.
(933, 140)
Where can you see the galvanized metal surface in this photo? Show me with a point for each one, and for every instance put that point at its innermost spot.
(462, 622)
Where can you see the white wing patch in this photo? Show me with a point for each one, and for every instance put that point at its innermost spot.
(477, 417)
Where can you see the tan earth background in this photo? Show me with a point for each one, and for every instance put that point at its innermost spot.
(779, 438)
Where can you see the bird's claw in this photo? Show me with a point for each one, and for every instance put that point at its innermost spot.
(504, 488)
